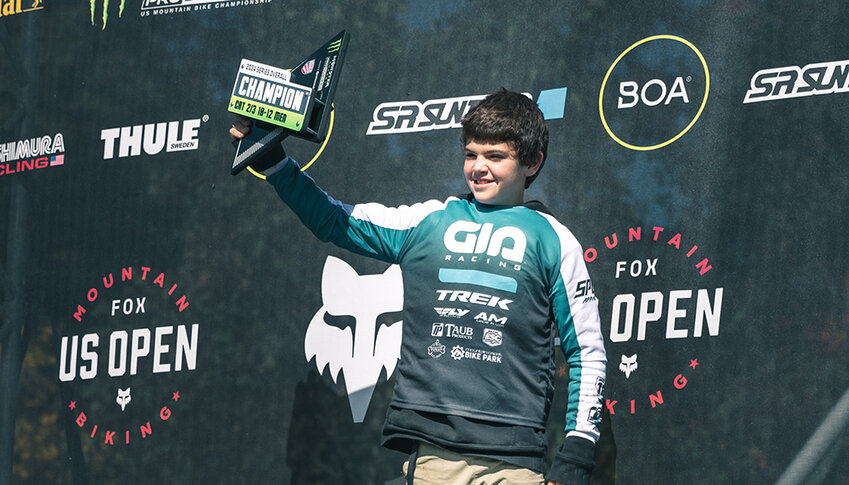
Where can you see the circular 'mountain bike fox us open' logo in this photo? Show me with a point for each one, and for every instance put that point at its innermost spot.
(126, 354)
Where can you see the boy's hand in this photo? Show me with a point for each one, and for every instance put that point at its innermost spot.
(241, 127)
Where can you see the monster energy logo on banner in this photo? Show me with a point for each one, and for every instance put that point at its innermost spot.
(93, 4)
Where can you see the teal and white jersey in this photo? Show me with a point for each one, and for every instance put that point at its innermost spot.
(487, 289)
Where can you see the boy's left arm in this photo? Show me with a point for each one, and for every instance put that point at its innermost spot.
(575, 311)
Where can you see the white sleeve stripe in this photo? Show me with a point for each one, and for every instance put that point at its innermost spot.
(398, 218)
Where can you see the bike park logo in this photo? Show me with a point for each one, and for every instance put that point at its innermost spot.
(796, 82)
(440, 114)
(357, 330)
(663, 316)
(32, 154)
(654, 92)
(164, 7)
(127, 353)
(15, 7)
(152, 138)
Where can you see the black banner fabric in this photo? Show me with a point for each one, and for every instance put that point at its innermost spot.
(162, 321)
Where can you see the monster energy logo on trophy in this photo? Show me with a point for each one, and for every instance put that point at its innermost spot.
(286, 102)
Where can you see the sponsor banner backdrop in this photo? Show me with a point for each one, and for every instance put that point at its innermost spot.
(162, 321)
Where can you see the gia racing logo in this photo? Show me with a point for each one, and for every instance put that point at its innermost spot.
(654, 92)
(127, 353)
(440, 114)
(661, 303)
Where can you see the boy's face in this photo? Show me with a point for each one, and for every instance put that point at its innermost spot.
(494, 173)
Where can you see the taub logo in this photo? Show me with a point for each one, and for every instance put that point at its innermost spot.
(127, 353)
(654, 92)
(152, 138)
(662, 301)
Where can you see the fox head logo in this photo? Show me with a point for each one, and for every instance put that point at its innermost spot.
(123, 397)
(356, 329)
(628, 365)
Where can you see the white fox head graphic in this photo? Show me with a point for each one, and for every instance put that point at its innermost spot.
(123, 398)
(628, 365)
(344, 332)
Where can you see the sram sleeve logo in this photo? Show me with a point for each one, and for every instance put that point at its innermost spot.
(467, 237)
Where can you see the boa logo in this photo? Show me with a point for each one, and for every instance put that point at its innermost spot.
(654, 92)
(357, 330)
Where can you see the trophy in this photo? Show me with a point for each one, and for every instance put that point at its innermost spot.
(285, 102)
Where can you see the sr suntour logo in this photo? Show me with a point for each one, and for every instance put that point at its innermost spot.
(32, 154)
(796, 82)
(152, 138)
(13, 7)
(440, 114)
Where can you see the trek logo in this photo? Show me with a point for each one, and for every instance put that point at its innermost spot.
(171, 136)
(468, 237)
(440, 114)
(796, 82)
(473, 297)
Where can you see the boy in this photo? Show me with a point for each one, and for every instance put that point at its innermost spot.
(507, 274)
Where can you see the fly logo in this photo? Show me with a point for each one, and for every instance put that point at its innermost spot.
(450, 312)
(468, 237)
(153, 138)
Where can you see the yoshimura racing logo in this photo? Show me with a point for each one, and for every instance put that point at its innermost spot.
(105, 10)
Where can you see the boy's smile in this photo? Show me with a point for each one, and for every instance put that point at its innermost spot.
(494, 173)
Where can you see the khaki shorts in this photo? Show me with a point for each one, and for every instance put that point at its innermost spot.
(438, 466)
